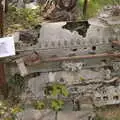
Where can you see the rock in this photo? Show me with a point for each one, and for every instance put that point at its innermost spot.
(32, 5)
(110, 15)
(48, 115)
(30, 114)
(20, 4)
(76, 115)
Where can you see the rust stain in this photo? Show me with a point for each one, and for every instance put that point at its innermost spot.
(2, 74)
(83, 57)
(116, 42)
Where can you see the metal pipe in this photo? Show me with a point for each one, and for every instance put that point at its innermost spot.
(82, 57)
(2, 65)
(1, 19)
(6, 6)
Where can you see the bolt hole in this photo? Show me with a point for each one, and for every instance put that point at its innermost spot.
(105, 98)
(112, 46)
(61, 80)
(98, 98)
(93, 47)
(38, 35)
(75, 49)
(17, 53)
(115, 98)
(105, 61)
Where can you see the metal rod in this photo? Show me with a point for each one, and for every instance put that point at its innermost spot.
(82, 57)
(2, 74)
(6, 6)
(2, 65)
(1, 19)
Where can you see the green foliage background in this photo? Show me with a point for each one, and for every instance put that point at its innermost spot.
(20, 19)
(94, 6)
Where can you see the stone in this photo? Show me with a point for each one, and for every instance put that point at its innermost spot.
(32, 5)
(29, 114)
(32, 114)
(20, 4)
(36, 85)
(77, 115)
(72, 66)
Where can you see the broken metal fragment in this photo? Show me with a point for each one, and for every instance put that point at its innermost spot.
(22, 67)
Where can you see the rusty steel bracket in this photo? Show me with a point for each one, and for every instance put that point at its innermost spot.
(1, 19)
(2, 65)
(116, 55)
(60, 59)
(116, 42)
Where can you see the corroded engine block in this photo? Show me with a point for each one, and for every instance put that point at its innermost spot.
(83, 55)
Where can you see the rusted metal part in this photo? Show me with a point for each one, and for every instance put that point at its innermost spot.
(31, 61)
(22, 67)
(1, 19)
(2, 72)
(82, 57)
(116, 42)
(33, 58)
(6, 6)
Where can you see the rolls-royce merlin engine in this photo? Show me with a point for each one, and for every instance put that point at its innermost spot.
(83, 55)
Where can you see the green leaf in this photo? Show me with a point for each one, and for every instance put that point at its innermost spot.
(65, 91)
(57, 105)
(58, 89)
(82, 79)
(16, 109)
(39, 105)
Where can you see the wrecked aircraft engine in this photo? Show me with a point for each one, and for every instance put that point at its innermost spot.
(83, 55)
